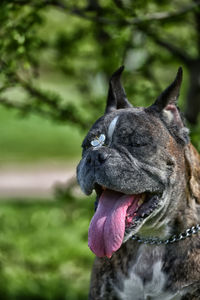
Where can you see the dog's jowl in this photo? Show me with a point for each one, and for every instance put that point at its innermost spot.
(146, 175)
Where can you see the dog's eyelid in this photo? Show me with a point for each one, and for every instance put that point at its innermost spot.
(140, 141)
(142, 144)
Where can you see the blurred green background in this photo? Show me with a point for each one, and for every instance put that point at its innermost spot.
(56, 58)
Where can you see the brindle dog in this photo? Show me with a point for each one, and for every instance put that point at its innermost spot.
(146, 174)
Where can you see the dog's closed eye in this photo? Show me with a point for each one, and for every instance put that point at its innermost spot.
(140, 140)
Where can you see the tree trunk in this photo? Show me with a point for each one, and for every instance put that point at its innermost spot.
(193, 95)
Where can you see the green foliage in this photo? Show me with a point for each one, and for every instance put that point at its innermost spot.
(195, 135)
(43, 249)
(82, 43)
(35, 139)
(56, 58)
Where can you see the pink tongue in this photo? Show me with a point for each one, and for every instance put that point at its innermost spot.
(106, 231)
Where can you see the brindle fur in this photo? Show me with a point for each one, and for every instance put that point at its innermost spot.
(171, 271)
(181, 261)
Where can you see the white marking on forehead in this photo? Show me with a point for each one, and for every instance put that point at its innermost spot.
(111, 128)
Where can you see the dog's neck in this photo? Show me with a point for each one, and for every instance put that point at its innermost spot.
(188, 210)
(187, 213)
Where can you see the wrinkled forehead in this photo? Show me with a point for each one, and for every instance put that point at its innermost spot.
(134, 118)
(135, 122)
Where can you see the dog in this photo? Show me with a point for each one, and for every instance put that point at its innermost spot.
(146, 174)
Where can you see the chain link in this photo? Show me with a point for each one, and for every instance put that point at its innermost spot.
(175, 238)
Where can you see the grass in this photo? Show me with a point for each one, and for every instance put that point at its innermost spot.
(43, 249)
(34, 138)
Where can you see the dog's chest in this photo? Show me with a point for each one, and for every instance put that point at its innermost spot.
(146, 280)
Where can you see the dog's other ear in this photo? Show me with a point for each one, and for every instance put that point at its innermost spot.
(166, 105)
(170, 95)
(116, 93)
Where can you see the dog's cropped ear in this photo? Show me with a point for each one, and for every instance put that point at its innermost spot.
(169, 97)
(116, 93)
(166, 105)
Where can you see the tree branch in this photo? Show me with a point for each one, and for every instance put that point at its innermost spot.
(165, 16)
(181, 55)
(46, 105)
(197, 19)
(174, 50)
(24, 108)
(83, 13)
(65, 114)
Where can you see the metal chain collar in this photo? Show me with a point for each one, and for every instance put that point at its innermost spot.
(175, 238)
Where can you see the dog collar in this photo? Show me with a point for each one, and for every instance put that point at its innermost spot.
(175, 238)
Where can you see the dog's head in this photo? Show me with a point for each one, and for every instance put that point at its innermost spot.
(131, 158)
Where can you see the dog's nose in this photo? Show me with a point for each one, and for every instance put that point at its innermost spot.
(96, 158)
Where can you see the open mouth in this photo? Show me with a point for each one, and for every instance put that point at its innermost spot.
(116, 214)
(141, 208)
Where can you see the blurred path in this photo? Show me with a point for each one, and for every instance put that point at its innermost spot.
(34, 181)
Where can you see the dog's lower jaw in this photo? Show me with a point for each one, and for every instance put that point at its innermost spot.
(158, 223)
(118, 216)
